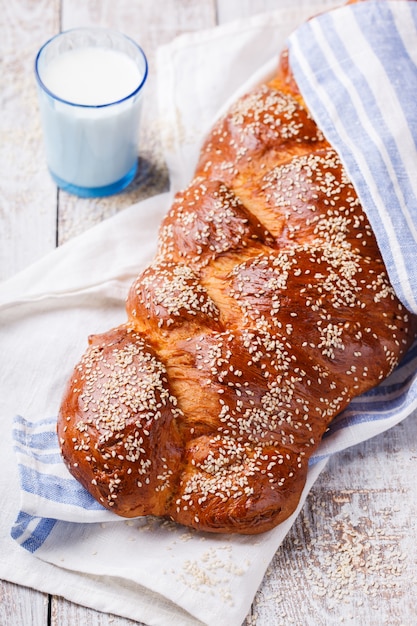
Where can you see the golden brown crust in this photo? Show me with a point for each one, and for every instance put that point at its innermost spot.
(125, 427)
(265, 311)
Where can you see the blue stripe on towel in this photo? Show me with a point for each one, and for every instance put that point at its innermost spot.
(19, 420)
(53, 458)
(61, 490)
(40, 441)
(42, 528)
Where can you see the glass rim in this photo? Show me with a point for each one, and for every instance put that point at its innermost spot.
(92, 29)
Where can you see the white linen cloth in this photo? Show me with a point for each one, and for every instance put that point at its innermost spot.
(147, 570)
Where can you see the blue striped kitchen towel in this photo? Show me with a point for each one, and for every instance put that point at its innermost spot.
(356, 68)
(48, 491)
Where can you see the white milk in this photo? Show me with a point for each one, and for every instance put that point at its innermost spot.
(92, 76)
(90, 123)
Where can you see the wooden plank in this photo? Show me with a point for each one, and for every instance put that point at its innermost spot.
(28, 200)
(27, 195)
(151, 27)
(65, 613)
(350, 557)
(19, 606)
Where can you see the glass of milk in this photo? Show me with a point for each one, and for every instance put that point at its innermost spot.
(90, 85)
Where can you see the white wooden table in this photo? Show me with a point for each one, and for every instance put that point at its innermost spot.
(351, 557)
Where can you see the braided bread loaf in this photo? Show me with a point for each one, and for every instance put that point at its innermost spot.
(266, 309)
